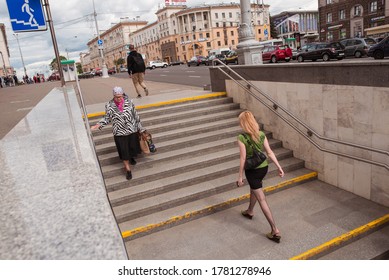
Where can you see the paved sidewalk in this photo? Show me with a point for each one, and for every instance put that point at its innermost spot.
(98, 91)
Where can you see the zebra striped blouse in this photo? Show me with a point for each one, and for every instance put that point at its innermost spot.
(123, 123)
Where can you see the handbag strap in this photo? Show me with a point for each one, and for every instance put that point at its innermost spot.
(249, 141)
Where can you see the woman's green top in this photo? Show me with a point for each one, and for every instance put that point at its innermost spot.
(256, 145)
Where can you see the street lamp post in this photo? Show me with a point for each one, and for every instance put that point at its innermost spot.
(4, 69)
(249, 51)
(104, 66)
(21, 55)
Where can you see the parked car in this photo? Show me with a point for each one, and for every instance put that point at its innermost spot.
(276, 53)
(123, 69)
(178, 62)
(325, 51)
(54, 77)
(156, 64)
(212, 57)
(357, 47)
(380, 50)
(97, 72)
(197, 60)
(112, 71)
(232, 57)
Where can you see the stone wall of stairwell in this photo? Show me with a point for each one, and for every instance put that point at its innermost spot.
(354, 113)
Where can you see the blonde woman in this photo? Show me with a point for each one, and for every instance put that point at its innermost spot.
(254, 138)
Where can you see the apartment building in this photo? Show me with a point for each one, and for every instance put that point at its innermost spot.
(353, 18)
(115, 42)
(297, 28)
(180, 32)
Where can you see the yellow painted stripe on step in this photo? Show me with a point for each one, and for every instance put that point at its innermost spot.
(342, 238)
(169, 102)
(211, 208)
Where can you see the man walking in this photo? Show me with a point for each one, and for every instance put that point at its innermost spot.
(136, 69)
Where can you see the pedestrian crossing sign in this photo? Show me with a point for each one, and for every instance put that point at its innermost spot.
(26, 15)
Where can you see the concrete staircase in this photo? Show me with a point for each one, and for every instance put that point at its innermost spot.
(193, 172)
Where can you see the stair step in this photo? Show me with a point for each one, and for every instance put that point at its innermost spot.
(208, 186)
(233, 196)
(176, 181)
(168, 109)
(172, 125)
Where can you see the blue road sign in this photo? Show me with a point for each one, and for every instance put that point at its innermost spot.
(265, 32)
(26, 15)
(100, 42)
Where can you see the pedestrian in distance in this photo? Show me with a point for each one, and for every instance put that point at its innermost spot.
(120, 111)
(136, 69)
(254, 138)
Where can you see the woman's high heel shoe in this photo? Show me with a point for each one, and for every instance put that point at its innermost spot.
(274, 237)
(247, 215)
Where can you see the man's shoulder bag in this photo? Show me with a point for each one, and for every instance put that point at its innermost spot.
(256, 159)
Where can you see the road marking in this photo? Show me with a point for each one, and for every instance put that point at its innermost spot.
(194, 76)
(190, 71)
(163, 75)
(25, 109)
(27, 100)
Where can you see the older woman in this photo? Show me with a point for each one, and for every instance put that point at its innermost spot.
(125, 125)
(256, 139)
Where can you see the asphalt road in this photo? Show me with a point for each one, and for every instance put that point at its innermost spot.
(197, 76)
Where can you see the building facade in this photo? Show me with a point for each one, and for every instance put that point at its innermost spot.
(5, 66)
(297, 27)
(115, 42)
(341, 19)
(180, 32)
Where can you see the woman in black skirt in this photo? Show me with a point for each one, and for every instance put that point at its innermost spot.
(254, 138)
(125, 126)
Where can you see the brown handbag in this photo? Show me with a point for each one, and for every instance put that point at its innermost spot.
(144, 146)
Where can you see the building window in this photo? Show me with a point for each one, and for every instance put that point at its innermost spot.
(233, 42)
(232, 33)
(205, 16)
(183, 48)
(216, 15)
(342, 14)
(219, 43)
(373, 7)
(230, 15)
(206, 26)
(223, 15)
(259, 31)
(329, 2)
(194, 36)
(218, 34)
(208, 44)
(193, 18)
(217, 24)
(342, 33)
(358, 10)
(330, 36)
(231, 24)
(329, 17)
(207, 35)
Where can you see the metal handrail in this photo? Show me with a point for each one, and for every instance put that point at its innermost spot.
(310, 132)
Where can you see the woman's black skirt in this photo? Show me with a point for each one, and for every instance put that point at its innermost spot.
(128, 146)
(255, 177)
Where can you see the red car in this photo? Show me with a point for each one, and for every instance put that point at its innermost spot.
(276, 53)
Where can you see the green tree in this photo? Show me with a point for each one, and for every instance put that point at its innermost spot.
(54, 65)
(79, 68)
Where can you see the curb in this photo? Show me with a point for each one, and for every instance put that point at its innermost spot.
(169, 102)
(337, 241)
(213, 208)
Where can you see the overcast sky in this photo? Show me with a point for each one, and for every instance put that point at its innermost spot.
(74, 26)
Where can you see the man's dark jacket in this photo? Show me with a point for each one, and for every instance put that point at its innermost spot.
(134, 67)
